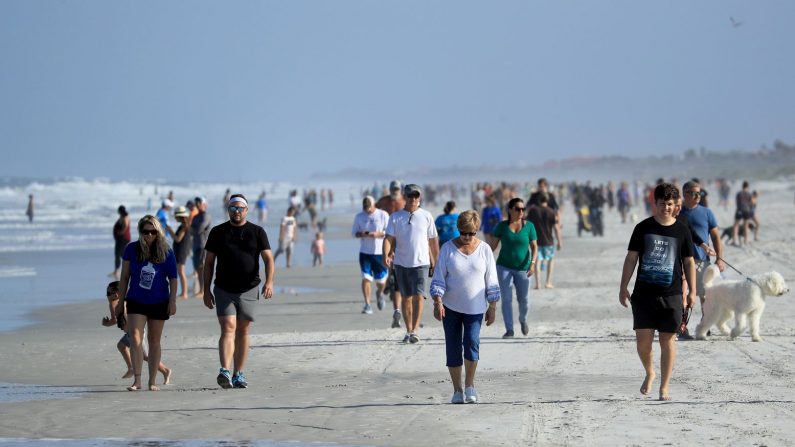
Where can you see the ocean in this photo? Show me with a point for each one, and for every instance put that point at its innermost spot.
(66, 253)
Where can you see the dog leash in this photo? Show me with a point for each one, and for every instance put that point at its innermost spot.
(739, 272)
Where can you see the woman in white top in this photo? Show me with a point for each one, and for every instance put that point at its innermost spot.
(464, 287)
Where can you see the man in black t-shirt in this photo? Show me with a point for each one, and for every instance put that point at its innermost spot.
(662, 248)
(238, 245)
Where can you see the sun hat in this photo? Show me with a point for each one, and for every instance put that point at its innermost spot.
(181, 212)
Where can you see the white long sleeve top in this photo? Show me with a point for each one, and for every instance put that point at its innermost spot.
(466, 283)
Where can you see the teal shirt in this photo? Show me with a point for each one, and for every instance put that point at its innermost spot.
(515, 247)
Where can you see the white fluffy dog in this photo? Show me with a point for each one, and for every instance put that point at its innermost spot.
(743, 299)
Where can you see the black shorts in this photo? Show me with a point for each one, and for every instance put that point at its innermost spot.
(743, 215)
(157, 311)
(663, 313)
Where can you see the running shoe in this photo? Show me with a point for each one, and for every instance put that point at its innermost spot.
(239, 380)
(413, 338)
(470, 395)
(379, 299)
(406, 338)
(458, 398)
(508, 334)
(367, 309)
(224, 378)
(396, 316)
(525, 328)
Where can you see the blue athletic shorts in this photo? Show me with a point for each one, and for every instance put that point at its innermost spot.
(546, 252)
(372, 267)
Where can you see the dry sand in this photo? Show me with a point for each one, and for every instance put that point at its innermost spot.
(321, 371)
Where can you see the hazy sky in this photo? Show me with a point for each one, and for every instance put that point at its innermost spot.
(267, 90)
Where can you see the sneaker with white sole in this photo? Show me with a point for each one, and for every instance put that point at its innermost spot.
(413, 338)
(367, 309)
(396, 316)
(406, 338)
(458, 398)
(224, 378)
(470, 395)
(239, 380)
(379, 300)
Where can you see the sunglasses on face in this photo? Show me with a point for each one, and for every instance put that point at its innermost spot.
(148, 232)
(469, 234)
(110, 294)
(516, 208)
(235, 209)
(695, 194)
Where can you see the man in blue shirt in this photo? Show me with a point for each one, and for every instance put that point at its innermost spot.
(702, 221)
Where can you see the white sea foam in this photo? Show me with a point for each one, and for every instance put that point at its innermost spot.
(13, 272)
(77, 213)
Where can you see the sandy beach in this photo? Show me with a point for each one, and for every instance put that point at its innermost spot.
(320, 371)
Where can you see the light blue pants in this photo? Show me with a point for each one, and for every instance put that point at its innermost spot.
(521, 282)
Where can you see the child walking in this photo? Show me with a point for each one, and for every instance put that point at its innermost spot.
(318, 249)
(123, 345)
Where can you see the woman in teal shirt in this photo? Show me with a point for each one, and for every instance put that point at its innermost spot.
(516, 263)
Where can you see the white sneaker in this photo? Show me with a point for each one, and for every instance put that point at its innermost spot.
(458, 398)
(367, 309)
(470, 395)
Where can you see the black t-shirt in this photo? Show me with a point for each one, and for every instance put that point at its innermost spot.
(661, 251)
(535, 199)
(237, 250)
(543, 219)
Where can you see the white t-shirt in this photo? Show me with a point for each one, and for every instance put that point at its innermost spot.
(288, 222)
(466, 283)
(411, 236)
(375, 222)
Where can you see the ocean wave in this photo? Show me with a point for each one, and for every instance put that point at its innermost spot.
(15, 272)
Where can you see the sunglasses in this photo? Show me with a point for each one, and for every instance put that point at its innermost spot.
(469, 234)
(695, 194)
(109, 294)
(235, 209)
(148, 232)
(516, 208)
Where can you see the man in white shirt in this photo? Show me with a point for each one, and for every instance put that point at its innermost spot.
(370, 227)
(412, 246)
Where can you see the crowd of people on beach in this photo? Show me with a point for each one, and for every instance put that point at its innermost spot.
(464, 262)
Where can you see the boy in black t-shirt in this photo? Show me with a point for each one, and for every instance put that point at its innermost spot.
(663, 250)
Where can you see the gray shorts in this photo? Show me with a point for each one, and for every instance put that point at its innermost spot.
(243, 305)
(412, 281)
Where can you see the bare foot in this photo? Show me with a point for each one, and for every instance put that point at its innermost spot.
(133, 387)
(183, 296)
(536, 287)
(153, 388)
(167, 376)
(664, 396)
(549, 286)
(199, 294)
(128, 374)
(646, 387)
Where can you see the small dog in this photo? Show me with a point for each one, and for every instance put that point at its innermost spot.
(728, 232)
(743, 299)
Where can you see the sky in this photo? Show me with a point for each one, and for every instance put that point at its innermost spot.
(283, 90)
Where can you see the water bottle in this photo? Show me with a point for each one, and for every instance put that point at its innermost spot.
(147, 276)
